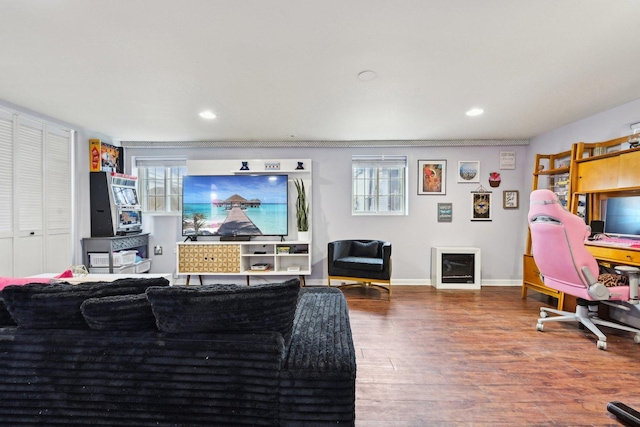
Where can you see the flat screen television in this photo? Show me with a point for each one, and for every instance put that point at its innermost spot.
(235, 205)
(622, 216)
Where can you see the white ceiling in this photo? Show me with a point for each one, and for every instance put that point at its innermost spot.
(275, 70)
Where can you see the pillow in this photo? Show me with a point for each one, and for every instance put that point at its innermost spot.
(58, 305)
(7, 281)
(226, 308)
(118, 313)
(364, 249)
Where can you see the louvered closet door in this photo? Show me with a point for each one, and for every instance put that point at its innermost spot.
(29, 211)
(6, 194)
(57, 185)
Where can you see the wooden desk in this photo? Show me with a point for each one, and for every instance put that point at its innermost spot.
(614, 254)
(609, 256)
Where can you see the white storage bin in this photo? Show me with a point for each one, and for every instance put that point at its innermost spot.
(101, 259)
(143, 266)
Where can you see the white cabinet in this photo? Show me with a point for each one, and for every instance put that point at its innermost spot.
(290, 257)
(253, 258)
(57, 200)
(29, 200)
(35, 220)
(259, 167)
(6, 193)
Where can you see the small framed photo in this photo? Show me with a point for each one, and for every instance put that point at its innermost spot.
(510, 199)
(445, 212)
(481, 207)
(468, 171)
(507, 160)
(432, 176)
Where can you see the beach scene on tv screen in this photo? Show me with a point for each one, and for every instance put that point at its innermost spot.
(235, 205)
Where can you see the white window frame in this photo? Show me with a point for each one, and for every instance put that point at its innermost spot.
(140, 167)
(380, 183)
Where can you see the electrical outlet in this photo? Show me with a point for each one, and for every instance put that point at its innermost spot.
(157, 250)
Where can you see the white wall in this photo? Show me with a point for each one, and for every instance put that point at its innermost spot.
(501, 240)
(604, 126)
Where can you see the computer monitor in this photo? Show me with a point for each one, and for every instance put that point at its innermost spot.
(622, 216)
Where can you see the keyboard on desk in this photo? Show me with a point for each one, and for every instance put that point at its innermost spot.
(618, 242)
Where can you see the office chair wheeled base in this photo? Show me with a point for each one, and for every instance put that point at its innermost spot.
(587, 318)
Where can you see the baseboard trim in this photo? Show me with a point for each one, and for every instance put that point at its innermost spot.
(181, 280)
(422, 282)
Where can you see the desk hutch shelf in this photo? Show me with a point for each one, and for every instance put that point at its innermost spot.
(605, 170)
(582, 178)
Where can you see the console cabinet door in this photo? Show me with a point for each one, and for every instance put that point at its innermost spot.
(203, 258)
(58, 203)
(629, 175)
(29, 201)
(597, 175)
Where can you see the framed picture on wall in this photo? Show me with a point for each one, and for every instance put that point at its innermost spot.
(445, 212)
(468, 171)
(510, 199)
(432, 175)
(481, 206)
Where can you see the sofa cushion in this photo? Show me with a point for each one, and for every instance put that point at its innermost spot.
(119, 313)
(364, 249)
(319, 375)
(5, 317)
(360, 263)
(86, 378)
(224, 308)
(58, 305)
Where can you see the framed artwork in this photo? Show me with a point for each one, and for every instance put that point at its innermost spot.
(481, 206)
(432, 176)
(468, 171)
(507, 160)
(445, 212)
(510, 199)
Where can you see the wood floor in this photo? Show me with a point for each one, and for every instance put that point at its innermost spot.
(474, 358)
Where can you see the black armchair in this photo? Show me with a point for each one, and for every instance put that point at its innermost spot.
(363, 261)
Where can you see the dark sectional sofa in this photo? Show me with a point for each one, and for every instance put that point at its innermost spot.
(137, 352)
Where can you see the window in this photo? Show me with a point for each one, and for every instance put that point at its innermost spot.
(160, 183)
(379, 185)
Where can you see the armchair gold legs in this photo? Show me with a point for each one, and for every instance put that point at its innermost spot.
(379, 284)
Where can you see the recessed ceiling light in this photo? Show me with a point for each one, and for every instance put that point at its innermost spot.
(207, 115)
(475, 112)
(367, 75)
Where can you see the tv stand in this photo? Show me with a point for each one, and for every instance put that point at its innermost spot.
(238, 258)
(191, 238)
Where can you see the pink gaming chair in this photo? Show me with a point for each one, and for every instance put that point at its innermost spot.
(565, 264)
